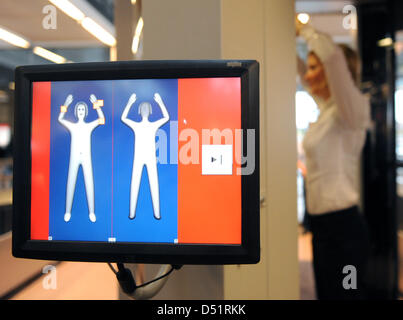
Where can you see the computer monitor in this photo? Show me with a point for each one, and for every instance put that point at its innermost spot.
(140, 161)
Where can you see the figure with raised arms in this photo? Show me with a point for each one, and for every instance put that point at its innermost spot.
(80, 150)
(145, 150)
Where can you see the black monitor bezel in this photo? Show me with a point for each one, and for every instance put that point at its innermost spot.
(23, 247)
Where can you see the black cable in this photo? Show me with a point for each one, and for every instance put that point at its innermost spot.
(120, 266)
(156, 279)
(127, 281)
(112, 268)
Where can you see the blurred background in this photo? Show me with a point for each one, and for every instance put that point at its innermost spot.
(73, 31)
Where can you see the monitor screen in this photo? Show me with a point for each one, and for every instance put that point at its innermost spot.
(131, 162)
(136, 161)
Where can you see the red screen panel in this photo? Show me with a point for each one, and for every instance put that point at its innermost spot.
(209, 206)
(40, 151)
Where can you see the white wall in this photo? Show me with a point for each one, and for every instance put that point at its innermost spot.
(181, 29)
(264, 30)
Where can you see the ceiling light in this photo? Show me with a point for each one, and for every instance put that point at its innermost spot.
(139, 27)
(303, 18)
(13, 39)
(137, 34)
(97, 31)
(49, 55)
(68, 8)
(76, 13)
(135, 44)
(385, 42)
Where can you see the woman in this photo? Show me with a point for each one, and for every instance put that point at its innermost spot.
(333, 146)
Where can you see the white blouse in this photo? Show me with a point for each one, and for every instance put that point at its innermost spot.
(333, 144)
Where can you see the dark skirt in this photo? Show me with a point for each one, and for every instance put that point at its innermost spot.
(341, 250)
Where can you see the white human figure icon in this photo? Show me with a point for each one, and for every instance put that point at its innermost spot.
(80, 150)
(145, 151)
